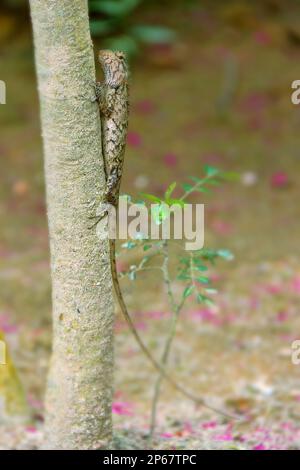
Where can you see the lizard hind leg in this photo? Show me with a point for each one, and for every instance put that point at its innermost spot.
(99, 89)
(98, 217)
(100, 92)
(106, 98)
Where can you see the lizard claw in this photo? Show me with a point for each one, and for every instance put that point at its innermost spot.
(98, 218)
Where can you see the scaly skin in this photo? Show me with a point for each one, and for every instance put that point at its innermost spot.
(112, 95)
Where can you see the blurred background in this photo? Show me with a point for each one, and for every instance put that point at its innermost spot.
(210, 84)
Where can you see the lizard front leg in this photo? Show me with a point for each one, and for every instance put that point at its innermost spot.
(112, 186)
(110, 195)
(105, 96)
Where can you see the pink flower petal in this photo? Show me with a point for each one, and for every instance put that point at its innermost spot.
(170, 160)
(259, 447)
(209, 425)
(224, 437)
(273, 288)
(145, 107)
(141, 325)
(282, 316)
(206, 315)
(187, 428)
(279, 179)
(31, 429)
(155, 315)
(122, 408)
(262, 37)
(254, 102)
(34, 402)
(296, 285)
(134, 139)
(5, 324)
(166, 435)
(121, 266)
(222, 228)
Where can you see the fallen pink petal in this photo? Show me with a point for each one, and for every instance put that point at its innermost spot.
(170, 160)
(134, 139)
(145, 107)
(279, 179)
(122, 408)
(260, 447)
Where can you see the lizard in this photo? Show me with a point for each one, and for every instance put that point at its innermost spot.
(112, 95)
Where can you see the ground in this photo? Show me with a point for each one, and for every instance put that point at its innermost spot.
(220, 95)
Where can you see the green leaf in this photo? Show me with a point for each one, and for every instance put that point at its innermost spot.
(127, 44)
(153, 34)
(132, 275)
(94, 6)
(213, 182)
(114, 8)
(230, 176)
(151, 197)
(176, 202)
(203, 279)
(200, 267)
(101, 27)
(129, 245)
(183, 277)
(170, 190)
(195, 179)
(199, 259)
(191, 187)
(225, 254)
(203, 299)
(160, 212)
(188, 291)
(208, 254)
(210, 170)
(187, 187)
(200, 298)
(147, 247)
(202, 190)
(211, 291)
(145, 260)
(185, 261)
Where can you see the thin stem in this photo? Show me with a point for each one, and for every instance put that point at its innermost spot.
(149, 268)
(196, 186)
(175, 310)
(138, 270)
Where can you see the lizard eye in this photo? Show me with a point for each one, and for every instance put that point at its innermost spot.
(121, 55)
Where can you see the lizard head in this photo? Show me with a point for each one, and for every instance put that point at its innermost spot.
(114, 67)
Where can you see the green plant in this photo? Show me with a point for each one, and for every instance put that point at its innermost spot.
(111, 19)
(192, 267)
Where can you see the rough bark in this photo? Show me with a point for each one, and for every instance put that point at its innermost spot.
(79, 392)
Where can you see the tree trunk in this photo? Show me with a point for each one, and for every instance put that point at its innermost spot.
(79, 392)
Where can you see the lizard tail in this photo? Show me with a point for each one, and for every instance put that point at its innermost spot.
(145, 350)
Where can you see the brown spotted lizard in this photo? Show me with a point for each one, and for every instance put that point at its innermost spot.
(112, 96)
